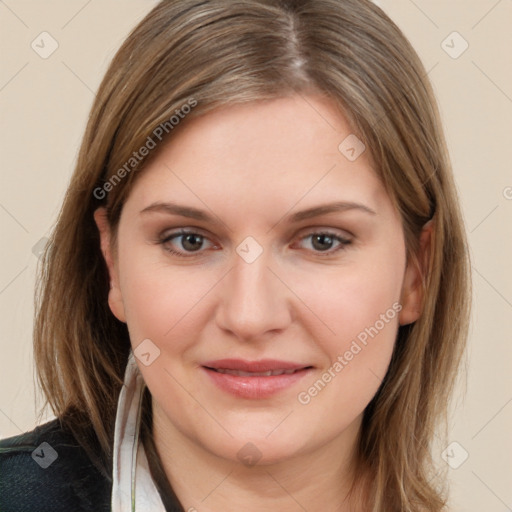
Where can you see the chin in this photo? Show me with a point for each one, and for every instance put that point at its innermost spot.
(259, 449)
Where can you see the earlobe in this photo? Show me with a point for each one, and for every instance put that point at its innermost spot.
(414, 278)
(115, 299)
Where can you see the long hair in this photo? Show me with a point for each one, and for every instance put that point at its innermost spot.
(188, 57)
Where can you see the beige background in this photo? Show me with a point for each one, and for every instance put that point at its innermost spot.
(44, 105)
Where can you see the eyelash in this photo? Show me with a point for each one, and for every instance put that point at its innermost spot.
(343, 242)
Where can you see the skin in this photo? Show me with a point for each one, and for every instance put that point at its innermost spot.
(250, 167)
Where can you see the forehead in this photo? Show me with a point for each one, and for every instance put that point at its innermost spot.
(272, 132)
(279, 151)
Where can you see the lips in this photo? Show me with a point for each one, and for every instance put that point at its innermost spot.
(254, 379)
(240, 373)
(261, 366)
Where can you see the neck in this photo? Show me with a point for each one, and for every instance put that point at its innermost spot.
(205, 482)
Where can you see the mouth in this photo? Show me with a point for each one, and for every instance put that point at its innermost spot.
(255, 379)
(268, 373)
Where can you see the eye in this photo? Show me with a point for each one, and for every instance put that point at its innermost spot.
(190, 242)
(323, 242)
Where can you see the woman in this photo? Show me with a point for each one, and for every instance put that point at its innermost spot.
(262, 242)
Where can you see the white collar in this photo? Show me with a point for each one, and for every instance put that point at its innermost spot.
(133, 489)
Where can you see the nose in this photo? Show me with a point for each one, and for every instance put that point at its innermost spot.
(255, 302)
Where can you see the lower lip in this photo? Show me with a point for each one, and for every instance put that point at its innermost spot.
(255, 387)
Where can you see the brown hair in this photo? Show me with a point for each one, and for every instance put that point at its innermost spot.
(213, 53)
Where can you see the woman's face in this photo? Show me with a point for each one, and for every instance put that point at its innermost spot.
(294, 261)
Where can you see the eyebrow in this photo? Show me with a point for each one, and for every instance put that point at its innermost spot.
(316, 211)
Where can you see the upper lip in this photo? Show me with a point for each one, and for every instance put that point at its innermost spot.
(263, 365)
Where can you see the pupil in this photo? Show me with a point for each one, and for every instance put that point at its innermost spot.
(323, 239)
(193, 242)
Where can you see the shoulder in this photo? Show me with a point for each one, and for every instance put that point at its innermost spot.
(46, 469)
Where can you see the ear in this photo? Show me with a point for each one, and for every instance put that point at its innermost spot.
(415, 274)
(115, 298)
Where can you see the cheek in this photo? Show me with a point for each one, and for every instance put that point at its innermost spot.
(163, 303)
(358, 359)
(353, 298)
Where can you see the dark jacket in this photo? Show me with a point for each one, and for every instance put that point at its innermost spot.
(46, 470)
